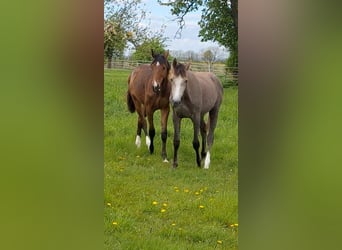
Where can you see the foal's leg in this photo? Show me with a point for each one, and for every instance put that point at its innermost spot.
(151, 130)
(164, 116)
(176, 138)
(203, 129)
(141, 124)
(195, 143)
(213, 120)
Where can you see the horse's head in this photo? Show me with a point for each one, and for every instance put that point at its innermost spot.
(160, 68)
(178, 78)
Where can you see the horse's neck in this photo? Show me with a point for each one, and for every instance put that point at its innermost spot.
(164, 87)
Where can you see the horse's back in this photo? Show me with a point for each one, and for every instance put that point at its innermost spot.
(137, 80)
(211, 88)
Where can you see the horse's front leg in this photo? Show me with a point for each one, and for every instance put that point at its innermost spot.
(176, 138)
(195, 143)
(151, 130)
(164, 116)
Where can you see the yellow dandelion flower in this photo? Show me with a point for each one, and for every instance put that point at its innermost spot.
(164, 205)
(197, 193)
(186, 190)
(201, 206)
(155, 203)
(108, 204)
(115, 223)
(173, 224)
(236, 224)
(219, 242)
(232, 225)
(177, 190)
(163, 210)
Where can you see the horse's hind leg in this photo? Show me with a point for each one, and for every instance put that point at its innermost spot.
(213, 114)
(141, 125)
(164, 116)
(203, 129)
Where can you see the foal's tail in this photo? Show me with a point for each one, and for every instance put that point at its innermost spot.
(130, 103)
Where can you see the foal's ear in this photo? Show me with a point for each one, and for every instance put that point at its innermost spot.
(187, 66)
(152, 52)
(174, 63)
(166, 54)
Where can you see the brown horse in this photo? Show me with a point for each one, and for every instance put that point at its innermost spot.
(193, 94)
(148, 91)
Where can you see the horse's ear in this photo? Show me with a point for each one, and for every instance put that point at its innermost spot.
(152, 52)
(174, 63)
(187, 66)
(166, 54)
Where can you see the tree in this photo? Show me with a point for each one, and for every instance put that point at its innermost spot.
(210, 56)
(219, 20)
(143, 51)
(123, 29)
(114, 41)
(121, 25)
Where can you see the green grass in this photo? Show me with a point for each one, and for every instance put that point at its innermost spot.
(200, 205)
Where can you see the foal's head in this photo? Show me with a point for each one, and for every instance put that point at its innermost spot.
(179, 80)
(160, 68)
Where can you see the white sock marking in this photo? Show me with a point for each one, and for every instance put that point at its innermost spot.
(148, 141)
(138, 141)
(207, 161)
(157, 64)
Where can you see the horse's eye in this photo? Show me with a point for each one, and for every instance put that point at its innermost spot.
(163, 67)
(186, 81)
(171, 79)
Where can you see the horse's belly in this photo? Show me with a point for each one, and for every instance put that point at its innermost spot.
(182, 111)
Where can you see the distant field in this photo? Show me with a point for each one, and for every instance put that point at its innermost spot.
(147, 204)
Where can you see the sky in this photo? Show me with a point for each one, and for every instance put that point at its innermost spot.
(158, 15)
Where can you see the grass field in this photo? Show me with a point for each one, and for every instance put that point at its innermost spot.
(147, 204)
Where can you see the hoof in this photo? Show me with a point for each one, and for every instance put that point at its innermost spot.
(151, 148)
(138, 141)
(148, 142)
(207, 161)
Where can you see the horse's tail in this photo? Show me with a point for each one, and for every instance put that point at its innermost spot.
(130, 103)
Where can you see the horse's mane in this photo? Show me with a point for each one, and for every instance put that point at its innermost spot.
(162, 60)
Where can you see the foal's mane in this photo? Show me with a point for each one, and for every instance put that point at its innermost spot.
(162, 60)
(180, 69)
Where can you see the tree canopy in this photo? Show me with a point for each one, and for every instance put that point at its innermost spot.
(219, 20)
(143, 51)
(123, 27)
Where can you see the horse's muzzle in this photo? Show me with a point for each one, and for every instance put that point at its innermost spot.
(175, 103)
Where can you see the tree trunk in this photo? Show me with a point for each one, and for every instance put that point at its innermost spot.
(234, 13)
(109, 63)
